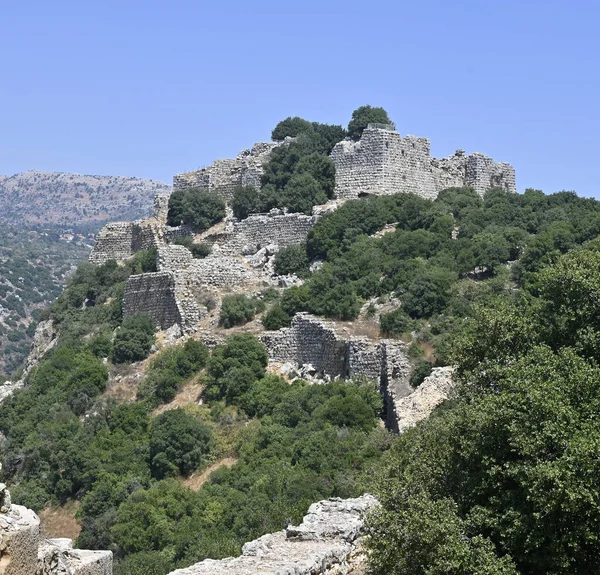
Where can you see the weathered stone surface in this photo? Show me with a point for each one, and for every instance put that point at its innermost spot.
(224, 175)
(432, 392)
(382, 162)
(325, 542)
(248, 236)
(22, 552)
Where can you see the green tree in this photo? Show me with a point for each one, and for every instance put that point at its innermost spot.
(292, 260)
(362, 117)
(291, 127)
(245, 201)
(179, 443)
(202, 209)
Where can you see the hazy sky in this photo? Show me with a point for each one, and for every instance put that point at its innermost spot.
(153, 88)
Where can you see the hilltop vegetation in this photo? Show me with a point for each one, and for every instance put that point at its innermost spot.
(74, 200)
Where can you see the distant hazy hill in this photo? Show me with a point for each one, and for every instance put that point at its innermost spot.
(74, 200)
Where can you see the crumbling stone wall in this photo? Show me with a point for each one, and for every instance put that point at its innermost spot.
(248, 236)
(382, 162)
(23, 552)
(224, 175)
(328, 542)
(121, 240)
(310, 340)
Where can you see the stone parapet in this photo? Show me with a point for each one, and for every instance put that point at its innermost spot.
(328, 541)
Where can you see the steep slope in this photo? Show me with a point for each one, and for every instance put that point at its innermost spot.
(70, 200)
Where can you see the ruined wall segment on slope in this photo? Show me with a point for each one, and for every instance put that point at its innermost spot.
(223, 176)
(328, 542)
(383, 162)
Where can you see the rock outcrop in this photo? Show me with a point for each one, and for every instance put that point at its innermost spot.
(435, 389)
(328, 541)
(24, 552)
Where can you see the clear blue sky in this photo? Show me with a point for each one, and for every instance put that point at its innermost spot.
(152, 88)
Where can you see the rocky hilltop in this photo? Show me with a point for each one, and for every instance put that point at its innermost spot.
(69, 200)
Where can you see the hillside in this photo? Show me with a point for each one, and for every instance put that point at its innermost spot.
(229, 371)
(69, 200)
(34, 265)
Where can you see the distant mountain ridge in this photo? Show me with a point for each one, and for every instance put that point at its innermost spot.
(63, 199)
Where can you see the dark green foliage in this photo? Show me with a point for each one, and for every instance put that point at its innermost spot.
(233, 367)
(199, 251)
(291, 127)
(292, 260)
(421, 370)
(394, 323)
(245, 201)
(363, 116)
(134, 339)
(196, 207)
(276, 318)
(239, 309)
(488, 483)
(178, 443)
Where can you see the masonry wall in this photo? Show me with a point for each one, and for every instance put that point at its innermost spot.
(259, 230)
(154, 294)
(224, 175)
(382, 162)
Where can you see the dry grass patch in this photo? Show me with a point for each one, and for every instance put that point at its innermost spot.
(197, 480)
(60, 521)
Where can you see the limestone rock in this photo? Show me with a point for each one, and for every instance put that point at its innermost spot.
(435, 389)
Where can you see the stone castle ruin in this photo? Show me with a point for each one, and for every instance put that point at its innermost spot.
(383, 162)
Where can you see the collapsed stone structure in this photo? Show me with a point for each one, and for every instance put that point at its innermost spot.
(383, 162)
(24, 552)
(224, 175)
(310, 340)
(328, 541)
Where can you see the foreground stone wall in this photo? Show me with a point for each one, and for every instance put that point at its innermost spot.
(328, 541)
(224, 175)
(24, 552)
(382, 162)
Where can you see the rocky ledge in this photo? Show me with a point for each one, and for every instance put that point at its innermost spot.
(326, 542)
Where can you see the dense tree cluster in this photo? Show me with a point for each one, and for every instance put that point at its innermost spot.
(505, 480)
(195, 207)
(239, 309)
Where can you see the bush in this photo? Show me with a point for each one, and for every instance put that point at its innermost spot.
(291, 127)
(245, 201)
(292, 260)
(362, 117)
(179, 443)
(134, 339)
(276, 318)
(238, 310)
(420, 372)
(196, 207)
(394, 323)
(201, 250)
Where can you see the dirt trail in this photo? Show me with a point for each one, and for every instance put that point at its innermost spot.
(196, 481)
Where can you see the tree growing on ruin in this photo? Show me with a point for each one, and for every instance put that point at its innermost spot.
(362, 117)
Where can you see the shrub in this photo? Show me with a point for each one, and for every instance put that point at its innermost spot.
(394, 323)
(196, 207)
(239, 309)
(292, 260)
(200, 250)
(134, 339)
(245, 201)
(276, 318)
(179, 443)
(420, 372)
(362, 117)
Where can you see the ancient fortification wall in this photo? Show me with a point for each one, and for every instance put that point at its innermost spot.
(328, 542)
(224, 175)
(24, 552)
(382, 162)
(310, 340)
(259, 230)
